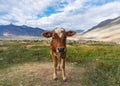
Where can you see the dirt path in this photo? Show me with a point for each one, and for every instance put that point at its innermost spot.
(40, 74)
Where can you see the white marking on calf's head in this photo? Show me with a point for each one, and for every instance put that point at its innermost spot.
(59, 31)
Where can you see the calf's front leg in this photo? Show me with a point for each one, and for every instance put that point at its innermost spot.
(63, 69)
(55, 68)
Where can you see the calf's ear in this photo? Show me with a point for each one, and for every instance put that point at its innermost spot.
(70, 33)
(47, 34)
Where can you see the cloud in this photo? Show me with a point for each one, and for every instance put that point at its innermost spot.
(21, 11)
(81, 19)
(70, 14)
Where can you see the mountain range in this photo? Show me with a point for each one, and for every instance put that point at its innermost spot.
(14, 30)
(108, 30)
(79, 31)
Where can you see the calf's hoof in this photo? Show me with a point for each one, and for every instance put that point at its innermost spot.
(64, 79)
(55, 78)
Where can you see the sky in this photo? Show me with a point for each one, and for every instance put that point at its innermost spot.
(48, 14)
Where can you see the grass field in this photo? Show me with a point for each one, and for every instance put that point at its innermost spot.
(97, 64)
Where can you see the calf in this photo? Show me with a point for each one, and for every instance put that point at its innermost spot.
(58, 48)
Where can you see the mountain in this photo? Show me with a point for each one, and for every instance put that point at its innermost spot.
(79, 31)
(14, 30)
(108, 30)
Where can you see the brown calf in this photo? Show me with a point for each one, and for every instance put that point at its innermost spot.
(58, 48)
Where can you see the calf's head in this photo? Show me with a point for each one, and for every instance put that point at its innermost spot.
(59, 35)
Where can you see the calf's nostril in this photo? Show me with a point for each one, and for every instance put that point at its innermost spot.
(61, 49)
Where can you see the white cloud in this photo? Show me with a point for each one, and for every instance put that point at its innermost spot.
(77, 14)
(77, 4)
(23, 10)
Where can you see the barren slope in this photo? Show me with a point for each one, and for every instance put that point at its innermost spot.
(107, 32)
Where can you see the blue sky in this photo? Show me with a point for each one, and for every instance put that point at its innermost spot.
(48, 14)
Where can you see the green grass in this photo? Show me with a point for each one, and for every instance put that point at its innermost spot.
(83, 53)
(103, 73)
(101, 61)
(16, 53)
